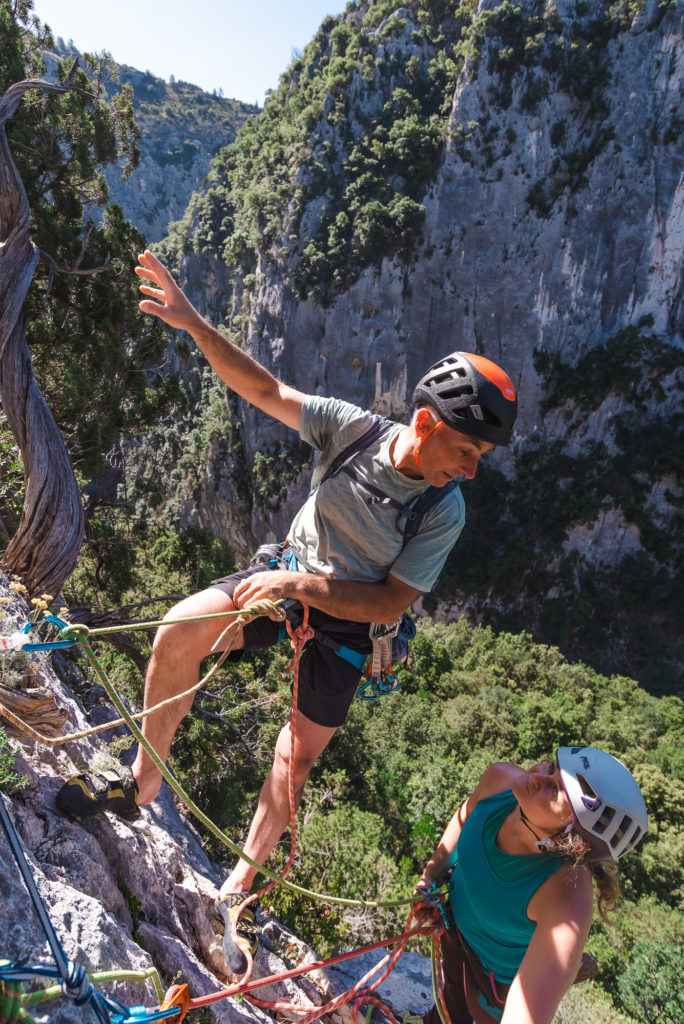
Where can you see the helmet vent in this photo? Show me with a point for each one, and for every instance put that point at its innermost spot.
(589, 798)
(456, 391)
(604, 821)
(638, 832)
(489, 416)
(584, 785)
(620, 831)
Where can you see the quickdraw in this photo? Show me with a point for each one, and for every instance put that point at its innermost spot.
(434, 897)
(17, 641)
(390, 645)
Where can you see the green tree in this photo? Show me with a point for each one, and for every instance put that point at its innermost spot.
(652, 987)
(92, 351)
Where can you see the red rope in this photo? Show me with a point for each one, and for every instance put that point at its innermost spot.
(299, 637)
(242, 987)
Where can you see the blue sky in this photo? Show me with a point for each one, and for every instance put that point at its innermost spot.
(238, 46)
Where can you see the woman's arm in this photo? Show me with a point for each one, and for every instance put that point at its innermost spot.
(562, 908)
(494, 779)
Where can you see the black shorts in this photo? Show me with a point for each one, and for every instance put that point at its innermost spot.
(327, 681)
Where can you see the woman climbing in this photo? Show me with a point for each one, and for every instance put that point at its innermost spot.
(523, 851)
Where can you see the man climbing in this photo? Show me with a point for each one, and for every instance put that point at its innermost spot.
(356, 563)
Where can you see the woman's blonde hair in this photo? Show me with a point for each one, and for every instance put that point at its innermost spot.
(574, 847)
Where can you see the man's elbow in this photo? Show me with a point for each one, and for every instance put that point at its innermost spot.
(391, 609)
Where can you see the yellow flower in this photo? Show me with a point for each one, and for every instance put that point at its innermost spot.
(39, 603)
(5, 600)
(46, 597)
(18, 588)
(63, 612)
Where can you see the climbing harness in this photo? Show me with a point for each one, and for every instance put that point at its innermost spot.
(381, 679)
(389, 641)
(75, 984)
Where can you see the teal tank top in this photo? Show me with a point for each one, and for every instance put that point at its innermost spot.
(489, 890)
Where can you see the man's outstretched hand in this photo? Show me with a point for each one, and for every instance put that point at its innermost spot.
(170, 304)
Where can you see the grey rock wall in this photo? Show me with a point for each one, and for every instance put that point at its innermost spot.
(493, 274)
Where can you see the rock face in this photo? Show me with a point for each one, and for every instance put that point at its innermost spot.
(129, 896)
(552, 243)
(181, 128)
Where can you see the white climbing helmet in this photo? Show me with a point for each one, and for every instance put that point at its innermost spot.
(609, 808)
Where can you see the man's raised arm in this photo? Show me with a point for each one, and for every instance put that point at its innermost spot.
(237, 369)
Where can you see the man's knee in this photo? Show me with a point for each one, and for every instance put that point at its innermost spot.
(301, 769)
(311, 740)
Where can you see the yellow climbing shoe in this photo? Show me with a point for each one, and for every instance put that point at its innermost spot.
(91, 793)
(230, 908)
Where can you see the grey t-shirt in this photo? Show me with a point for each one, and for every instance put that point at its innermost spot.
(339, 534)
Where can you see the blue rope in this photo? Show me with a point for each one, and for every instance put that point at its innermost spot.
(74, 979)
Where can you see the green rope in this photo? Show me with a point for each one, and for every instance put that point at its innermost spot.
(12, 1001)
(76, 630)
(189, 803)
(434, 957)
(43, 995)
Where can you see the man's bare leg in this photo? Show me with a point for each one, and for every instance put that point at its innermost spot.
(273, 810)
(174, 667)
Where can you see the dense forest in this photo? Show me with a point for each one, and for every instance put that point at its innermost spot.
(383, 791)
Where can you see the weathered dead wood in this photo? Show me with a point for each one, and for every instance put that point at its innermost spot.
(35, 705)
(45, 547)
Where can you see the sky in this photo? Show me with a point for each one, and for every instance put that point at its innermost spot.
(240, 46)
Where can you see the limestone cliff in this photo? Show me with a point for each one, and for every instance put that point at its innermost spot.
(181, 128)
(348, 247)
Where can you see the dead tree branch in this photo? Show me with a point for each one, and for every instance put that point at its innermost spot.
(44, 549)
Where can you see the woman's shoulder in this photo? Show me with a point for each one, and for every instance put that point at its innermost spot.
(496, 778)
(567, 894)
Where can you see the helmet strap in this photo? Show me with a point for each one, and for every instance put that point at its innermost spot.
(419, 443)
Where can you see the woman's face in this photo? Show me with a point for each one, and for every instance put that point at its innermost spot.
(543, 800)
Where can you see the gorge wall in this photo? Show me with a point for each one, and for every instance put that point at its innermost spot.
(181, 128)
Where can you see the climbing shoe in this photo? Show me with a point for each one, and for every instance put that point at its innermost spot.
(91, 793)
(588, 968)
(228, 907)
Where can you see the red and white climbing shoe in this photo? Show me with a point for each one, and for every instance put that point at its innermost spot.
(229, 907)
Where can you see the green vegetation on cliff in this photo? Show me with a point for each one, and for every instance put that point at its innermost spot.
(332, 176)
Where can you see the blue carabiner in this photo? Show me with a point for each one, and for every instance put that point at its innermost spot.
(53, 645)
